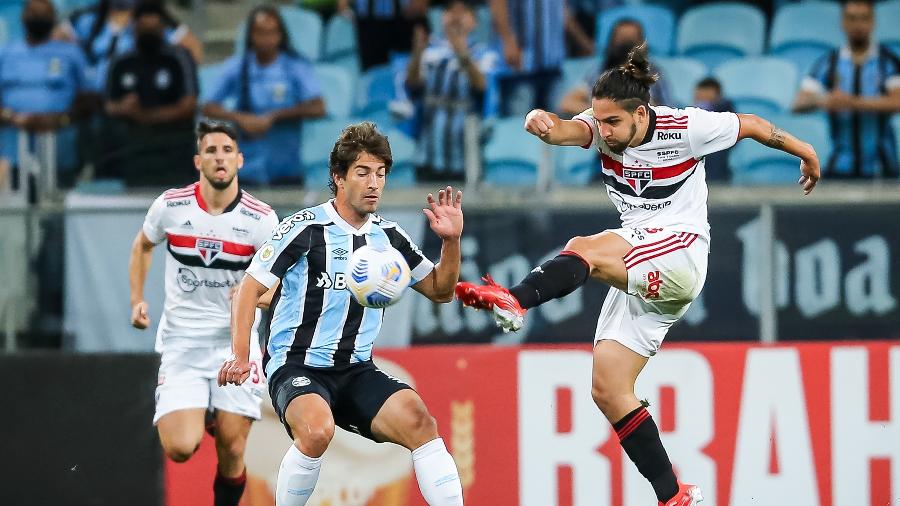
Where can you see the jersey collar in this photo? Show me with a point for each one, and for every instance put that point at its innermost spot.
(202, 203)
(871, 53)
(651, 127)
(332, 213)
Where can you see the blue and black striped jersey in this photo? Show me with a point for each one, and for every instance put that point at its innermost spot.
(314, 319)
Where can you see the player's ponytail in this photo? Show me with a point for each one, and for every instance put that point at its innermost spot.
(629, 84)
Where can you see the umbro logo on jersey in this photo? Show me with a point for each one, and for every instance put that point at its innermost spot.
(340, 254)
(209, 249)
(300, 381)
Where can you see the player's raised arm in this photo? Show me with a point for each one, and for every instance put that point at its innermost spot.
(760, 130)
(243, 312)
(552, 129)
(138, 266)
(446, 220)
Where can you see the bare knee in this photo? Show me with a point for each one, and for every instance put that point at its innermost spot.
(579, 244)
(231, 447)
(312, 439)
(180, 450)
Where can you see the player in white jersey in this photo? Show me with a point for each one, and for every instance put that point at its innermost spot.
(212, 229)
(652, 163)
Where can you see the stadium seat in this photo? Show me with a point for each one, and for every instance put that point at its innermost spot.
(485, 29)
(340, 44)
(681, 75)
(755, 164)
(887, 24)
(761, 85)
(318, 140)
(575, 166)
(11, 14)
(337, 89)
(718, 32)
(895, 125)
(403, 150)
(574, 70)
(658, 23)
(304, 28)
(511, 156)
(800, 32)
(435, 17)
(375, 90)
(4, 32)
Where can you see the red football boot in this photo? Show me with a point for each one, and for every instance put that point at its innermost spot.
(688, 495)
(508, 314)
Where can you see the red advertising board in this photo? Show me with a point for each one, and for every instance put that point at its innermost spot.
(805, 424)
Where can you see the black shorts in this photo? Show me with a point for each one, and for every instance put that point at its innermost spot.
(354, 392)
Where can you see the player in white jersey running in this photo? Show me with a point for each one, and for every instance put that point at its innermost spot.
(212, 229)
(652, 165)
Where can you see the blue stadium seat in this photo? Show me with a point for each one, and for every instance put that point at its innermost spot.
(403, 150)
(340, 44)
(895, 125)
(755, 164)
(11, 13)
(718, 32)
(574, 71)
(511, 156)
(575, 166)
(208, 75)
(658, 23)
(318, 140)
(375, 90)
(337, 89)
(4, 32)
(762, 85)
(485, 29)
(887, 24)
(435, 21)
(803, 32)
(304, 28)
(681, 75)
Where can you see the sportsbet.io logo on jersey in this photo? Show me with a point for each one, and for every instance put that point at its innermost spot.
(188, 281)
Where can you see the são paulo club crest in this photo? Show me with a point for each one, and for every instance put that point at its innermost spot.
(209, 249)
(638, 179)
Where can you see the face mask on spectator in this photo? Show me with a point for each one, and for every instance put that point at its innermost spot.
(38, 28)
(122, 5)
(149, 42)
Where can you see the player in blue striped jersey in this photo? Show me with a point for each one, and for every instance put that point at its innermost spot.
(319, 356)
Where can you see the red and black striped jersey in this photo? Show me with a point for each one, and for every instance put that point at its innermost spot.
(206, 258)
(661, 183)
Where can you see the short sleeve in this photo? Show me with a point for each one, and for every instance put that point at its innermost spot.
(190, 87)
(420, 266)
(289, 242)
(154, 227)
(265, 229)
(226, 86)
(892, 77)
(308, 87)
(709, 132)
(817, 79)
(111, 73)
(587, 117)
(79, 70)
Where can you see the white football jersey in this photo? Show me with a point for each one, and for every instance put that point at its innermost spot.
(662, 182)
(206, 258)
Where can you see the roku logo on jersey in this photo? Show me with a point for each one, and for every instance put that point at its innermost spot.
(654, 281)
(668, 136)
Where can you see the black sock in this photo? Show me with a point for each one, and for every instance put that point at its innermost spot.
(639, 437)
(228, 491)
(555, 278)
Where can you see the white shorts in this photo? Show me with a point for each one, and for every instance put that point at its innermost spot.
(666, 271)
(188, 379)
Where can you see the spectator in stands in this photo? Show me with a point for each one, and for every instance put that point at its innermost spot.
(859, 86)
(106, 29)
(532, 33)
(624, 36)
(384, 27)
(449, 81)
(151, 98)
(274, 91)
(42, 89)
(708, 96)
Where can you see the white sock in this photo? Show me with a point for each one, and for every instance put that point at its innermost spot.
(437, 475)
(297, 478)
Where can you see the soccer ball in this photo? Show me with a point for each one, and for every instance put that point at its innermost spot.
(378, 276)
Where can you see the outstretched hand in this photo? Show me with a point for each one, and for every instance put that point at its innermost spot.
(445, 216)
